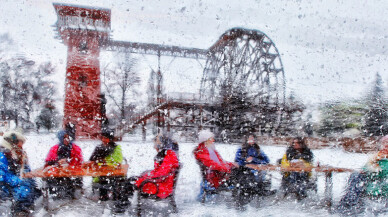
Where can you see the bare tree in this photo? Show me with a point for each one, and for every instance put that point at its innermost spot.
(120, 79)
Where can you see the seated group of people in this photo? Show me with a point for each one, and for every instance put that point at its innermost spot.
(218, 174)
(241, 177)
(23, 191)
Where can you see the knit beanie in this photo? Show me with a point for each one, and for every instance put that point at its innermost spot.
(204, 135)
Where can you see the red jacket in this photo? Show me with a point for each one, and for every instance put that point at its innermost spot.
(75, 156)
(215, 173)
(163, 173)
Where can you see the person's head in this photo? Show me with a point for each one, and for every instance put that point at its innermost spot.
(298, 143)
(64, 137)
(14, 139)
(384, 143)
(107, 136)
(206, 136)
(250, 139)
(164, 141)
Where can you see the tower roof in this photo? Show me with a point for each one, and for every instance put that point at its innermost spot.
(81, 17)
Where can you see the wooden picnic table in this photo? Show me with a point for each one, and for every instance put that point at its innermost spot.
(79, 171)
(87, 169)
(327, 170)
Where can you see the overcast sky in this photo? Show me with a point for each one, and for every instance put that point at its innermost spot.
(330, 49)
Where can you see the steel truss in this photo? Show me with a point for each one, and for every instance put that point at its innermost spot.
(246, 64)
(241, 61)
(156, 49)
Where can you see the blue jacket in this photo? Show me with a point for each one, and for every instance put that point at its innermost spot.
(258, 158)
(11, 185)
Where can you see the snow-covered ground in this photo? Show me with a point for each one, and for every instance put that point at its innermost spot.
(140, 157)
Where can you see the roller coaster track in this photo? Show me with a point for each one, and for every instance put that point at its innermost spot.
(140, 119)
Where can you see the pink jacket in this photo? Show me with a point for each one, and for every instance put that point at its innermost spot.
(75, 157)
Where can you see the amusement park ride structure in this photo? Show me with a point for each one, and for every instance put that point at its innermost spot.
(240, 59)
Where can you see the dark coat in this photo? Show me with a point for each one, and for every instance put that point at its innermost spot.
(305, 154)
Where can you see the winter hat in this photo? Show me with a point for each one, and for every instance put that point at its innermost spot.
(204, 135)
(167, 142)
(61, 134)
(108, 133)
(13, 137)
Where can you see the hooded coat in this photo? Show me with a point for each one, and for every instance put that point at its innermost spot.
(74, 154)
(213, 171)
(163, 174)
(12, 185)
(166, 163)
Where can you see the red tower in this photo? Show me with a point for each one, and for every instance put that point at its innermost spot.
(84, 30)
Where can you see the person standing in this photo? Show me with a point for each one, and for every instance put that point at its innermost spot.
(64, 154)
(13, 164)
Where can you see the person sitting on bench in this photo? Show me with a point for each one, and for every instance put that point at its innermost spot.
(371, 181)
(166, 162)
(297, 155)
(215, 171)
(110, 153)
(13, 164)
(64, 154)
(251, 154)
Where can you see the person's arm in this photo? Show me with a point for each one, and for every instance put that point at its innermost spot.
(169, 163)
(262, 158)
(52, 158)
(284, 161)
(239, 159)
(6, 176)
(204, 158)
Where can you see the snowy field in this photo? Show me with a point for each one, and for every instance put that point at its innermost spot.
(140, 157)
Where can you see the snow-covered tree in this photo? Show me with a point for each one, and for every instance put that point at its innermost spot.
(48, 117)
(25, 86)
(376, 117)
(337, 117)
